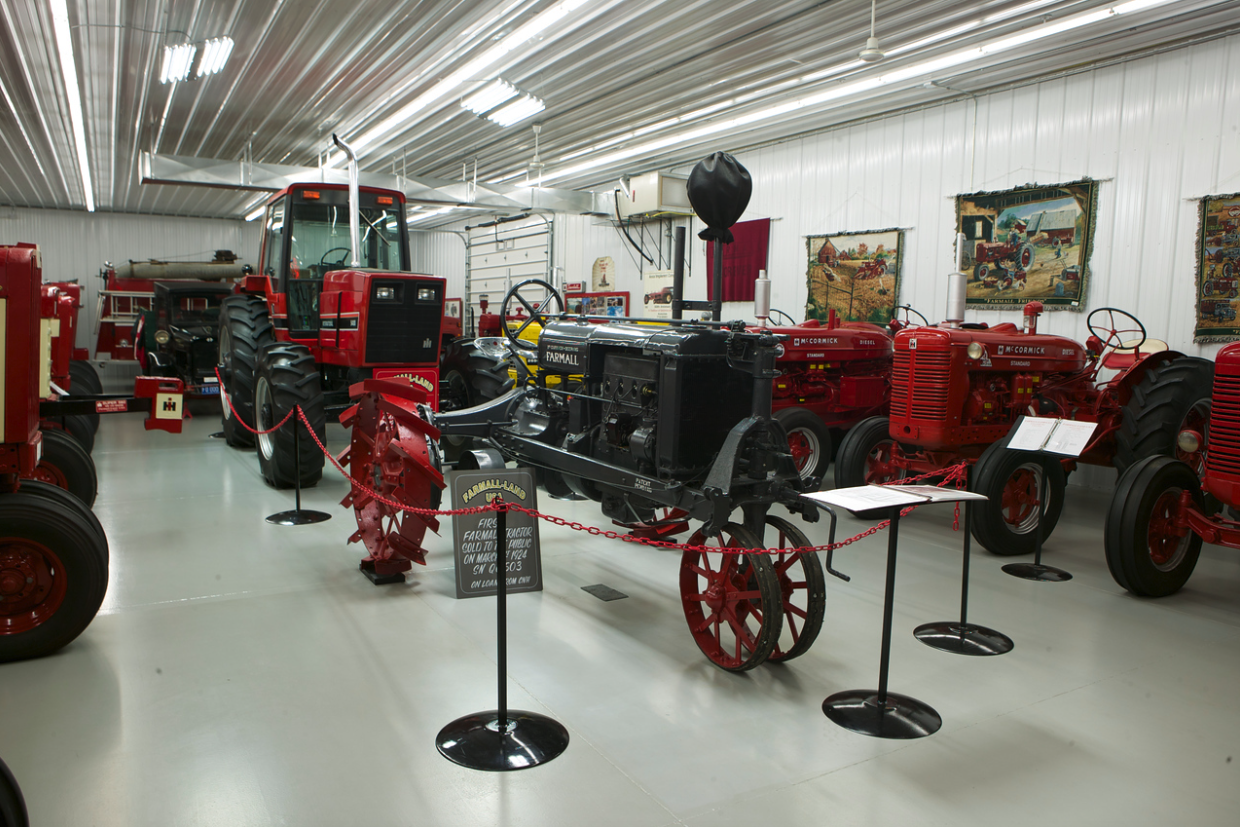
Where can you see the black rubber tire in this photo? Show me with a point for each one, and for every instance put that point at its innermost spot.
(12, 804)
(1025, 256)
(990, 476)
(288, 377)
(74, 425)
(84, 381)
(485, 377)
(245, 328)
(67, 501)
(83, 565)
(800, 573)
(1126, 537)
(805, 425)
(855, 449)
(1160, 406)
(64, 459)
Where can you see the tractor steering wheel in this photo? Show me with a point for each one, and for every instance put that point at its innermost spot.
(340, 263)
(538, 313)
(909, 312)
(1112, 336)
(773, 312)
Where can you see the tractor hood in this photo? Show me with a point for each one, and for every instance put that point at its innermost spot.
(1003, 347)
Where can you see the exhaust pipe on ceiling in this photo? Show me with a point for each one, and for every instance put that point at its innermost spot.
(354, 200)
(957, 284)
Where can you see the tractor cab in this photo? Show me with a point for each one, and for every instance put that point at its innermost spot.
(306, 236)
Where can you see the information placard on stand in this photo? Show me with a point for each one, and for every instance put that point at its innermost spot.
(473, 535)
(1047, 436)
(878, 712)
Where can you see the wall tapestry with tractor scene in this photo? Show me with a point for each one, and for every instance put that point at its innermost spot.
(855, 274)
(1218, 268)
(1028, 243)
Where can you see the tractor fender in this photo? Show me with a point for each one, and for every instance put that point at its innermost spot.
(1123, 384)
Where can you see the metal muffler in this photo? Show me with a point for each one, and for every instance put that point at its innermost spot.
(957, 285)
(355, 207)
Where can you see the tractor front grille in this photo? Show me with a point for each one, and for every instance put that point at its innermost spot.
(1223, 454)
(919, 384)
(403, 329)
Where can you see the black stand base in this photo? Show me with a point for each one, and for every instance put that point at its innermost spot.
(381, 579)
(475, 741)
(298, 517)
(900, 717)
(963, 638)
(1035, 571)
(216, 435)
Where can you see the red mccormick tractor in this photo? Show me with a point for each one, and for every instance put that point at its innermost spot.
(333, 303)
(831, 377)
(1164, 507)
(70, 373)
(958, 389)
(1020, 252)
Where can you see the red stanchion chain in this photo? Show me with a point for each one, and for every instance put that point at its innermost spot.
(955, 473)
(237, 416)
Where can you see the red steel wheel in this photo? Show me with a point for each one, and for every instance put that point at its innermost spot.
(731, 600)
(1020, 497)
(802, 591)
(32, 584)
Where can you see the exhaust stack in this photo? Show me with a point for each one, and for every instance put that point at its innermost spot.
(762, 298)
(355, 208)
(957, 284)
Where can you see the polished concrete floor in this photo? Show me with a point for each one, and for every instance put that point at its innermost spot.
(246, 674)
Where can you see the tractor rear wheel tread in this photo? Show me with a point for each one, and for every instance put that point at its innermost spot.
(245, 327)
(852, 463)
(67, 502)
(288, 377)
(1168, 398)
(1145, 553)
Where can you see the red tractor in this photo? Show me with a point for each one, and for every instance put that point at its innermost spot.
(957, 390)
(333, 303)
(831, 377)
(1020, 252)
(1163, 507)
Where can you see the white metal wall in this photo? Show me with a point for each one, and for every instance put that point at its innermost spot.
(1158, 132)
(440, 253)
(75, 244)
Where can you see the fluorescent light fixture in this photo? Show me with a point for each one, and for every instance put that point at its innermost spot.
(68, 70)
(215, 54)
(520, 109)
(490, 96)
(481, 66)
(844, 90)
(177, 62)
(432, 213)
(257, 212)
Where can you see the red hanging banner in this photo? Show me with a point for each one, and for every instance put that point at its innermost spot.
(742, 259)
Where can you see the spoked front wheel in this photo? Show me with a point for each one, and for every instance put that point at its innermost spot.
(802, 591)
(731, 599)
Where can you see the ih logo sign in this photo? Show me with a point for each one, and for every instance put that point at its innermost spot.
(168, 406)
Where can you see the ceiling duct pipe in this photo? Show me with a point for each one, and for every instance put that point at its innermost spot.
(355, 205)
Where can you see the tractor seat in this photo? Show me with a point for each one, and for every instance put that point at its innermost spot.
(1125, 356)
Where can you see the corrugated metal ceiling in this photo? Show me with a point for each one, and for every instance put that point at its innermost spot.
(606, 69)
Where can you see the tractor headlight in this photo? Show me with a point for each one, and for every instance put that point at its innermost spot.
(162, 336)
(1189, 441)
(976, 350)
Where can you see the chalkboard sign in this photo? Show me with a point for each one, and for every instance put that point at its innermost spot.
(473, 535)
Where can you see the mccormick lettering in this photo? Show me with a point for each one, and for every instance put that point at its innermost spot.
(1022, 350)
(816, 341)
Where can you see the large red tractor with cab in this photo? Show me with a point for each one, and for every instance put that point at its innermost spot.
(333, 303)
(957, 390)
(1164, 507)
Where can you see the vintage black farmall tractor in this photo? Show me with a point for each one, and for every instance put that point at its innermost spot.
(661, 423)
(53, 552)
(333, 303)
(957, 390)
(1163, 507)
